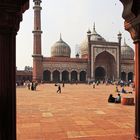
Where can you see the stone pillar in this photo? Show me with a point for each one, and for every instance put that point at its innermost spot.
(70, 76)
(78, 76)
(51, 76)
(131, 14)
(60, 76)
(37, 54)
(89, 56)
(137, 89)
(126, 77)
(10, 17)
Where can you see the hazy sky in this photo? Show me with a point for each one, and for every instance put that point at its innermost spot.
(71, 18)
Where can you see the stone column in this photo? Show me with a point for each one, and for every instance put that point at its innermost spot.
(78, 76)
(10, 17)
(51, 76)
(70, 76)
(60, 76)
(137, 90)
(131, 14)
(89, 56)
(126, 77)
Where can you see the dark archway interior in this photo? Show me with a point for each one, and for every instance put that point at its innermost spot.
(100, 73)
(123, 76)
(65, 76)
(74, 76)
(130, 76)
(46, 75)
(82, 76)
(56, 76)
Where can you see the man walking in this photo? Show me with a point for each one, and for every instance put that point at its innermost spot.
(59, 89)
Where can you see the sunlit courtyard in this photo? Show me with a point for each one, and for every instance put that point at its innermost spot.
(80, 112)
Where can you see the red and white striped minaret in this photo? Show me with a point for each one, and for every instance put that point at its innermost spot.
(37, 54)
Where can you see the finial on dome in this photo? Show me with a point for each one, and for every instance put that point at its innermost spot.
(94, 26)
(94, 30)
(60, 36)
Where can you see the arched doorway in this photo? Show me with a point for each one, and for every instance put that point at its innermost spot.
(105, 63)
(65, 76)
(130, 76)
(47, 75)
(123, 76)
(100, 73)
(74, 76)
(83, 76)
(56, 76)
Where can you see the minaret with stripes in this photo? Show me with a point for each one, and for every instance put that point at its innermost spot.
(37, 54)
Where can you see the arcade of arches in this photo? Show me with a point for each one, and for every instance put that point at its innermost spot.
(66, 76)
(127, 76)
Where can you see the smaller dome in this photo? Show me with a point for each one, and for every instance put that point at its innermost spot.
(127, 53)
(84, 48)
(60, 49)
(94, 37)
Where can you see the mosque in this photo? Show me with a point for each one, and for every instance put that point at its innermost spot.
(98, 59)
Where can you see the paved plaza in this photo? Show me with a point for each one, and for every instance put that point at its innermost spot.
(78, 113)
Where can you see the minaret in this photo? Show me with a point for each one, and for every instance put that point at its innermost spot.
(37, 54)
(119, 41)
(89, 56)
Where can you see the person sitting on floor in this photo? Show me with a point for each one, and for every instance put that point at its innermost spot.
(123, 90)
(118, 99)
(111, 99)
(117, 89)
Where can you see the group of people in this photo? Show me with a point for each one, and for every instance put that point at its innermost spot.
(123, 90)
(112, 99)
(32, 85)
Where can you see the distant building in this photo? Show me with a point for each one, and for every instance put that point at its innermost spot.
(24, 75)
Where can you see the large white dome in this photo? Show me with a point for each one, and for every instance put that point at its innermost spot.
(60, 49)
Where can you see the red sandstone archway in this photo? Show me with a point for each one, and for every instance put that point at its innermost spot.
(56, 76)
(74, 75)
(106, 61)
(82, 76)
(130, 76)
(65, 76)
(47, 75)
(123, 76)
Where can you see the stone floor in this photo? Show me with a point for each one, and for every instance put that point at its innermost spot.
(78, 113)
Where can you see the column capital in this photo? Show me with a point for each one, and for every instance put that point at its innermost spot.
(11, 14)
(131, 15)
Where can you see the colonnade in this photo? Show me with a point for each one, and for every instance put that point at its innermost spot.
(56, 76)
